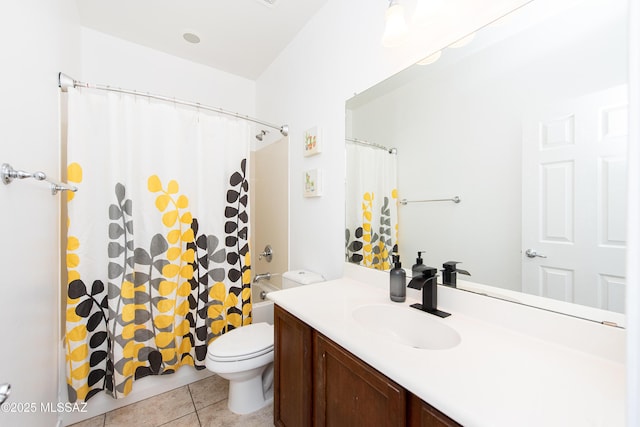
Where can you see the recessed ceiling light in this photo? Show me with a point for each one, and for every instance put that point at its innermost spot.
(191, 37)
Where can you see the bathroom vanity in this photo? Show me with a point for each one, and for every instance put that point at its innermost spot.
(491, 363)
(337, 387)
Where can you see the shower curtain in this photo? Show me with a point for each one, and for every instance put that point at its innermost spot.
(157, 248)
(372, 208)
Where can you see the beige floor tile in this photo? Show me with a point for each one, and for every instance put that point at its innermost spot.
(218, 415)
(91, 422)
(208, 391)
(190, 420)
(154, 411)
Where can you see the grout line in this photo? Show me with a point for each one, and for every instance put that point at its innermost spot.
(194, 404)
(198, 417)
(166, 423)
(169, 422)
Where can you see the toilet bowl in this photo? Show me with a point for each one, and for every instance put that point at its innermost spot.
(244, 356)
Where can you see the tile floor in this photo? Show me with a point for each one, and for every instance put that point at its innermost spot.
(200, 404)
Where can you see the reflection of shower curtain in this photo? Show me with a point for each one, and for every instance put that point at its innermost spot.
(372, 210)
(157, 253)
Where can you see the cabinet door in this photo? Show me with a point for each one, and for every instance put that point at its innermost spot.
(292, 371)
(421, 414)
(348, 392)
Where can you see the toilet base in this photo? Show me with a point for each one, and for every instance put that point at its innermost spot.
(247, 396)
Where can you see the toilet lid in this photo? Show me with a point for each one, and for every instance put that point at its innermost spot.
(242, 343)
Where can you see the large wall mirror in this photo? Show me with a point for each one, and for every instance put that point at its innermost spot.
(526, 127)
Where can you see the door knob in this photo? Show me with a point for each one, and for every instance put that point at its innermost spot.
(531, 253)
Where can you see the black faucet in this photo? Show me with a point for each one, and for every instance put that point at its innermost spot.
(427, 282)
(450, 273)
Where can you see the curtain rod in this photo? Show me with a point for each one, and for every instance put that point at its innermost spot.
(65, 82)
(372, 144)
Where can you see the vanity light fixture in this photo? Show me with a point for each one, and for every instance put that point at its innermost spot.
(396, 30)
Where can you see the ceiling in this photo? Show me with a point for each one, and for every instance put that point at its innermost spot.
(241, 37)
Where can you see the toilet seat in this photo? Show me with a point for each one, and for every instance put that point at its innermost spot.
(243, 343)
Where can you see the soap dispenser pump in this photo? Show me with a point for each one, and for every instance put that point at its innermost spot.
(418, 267)
(397, 281)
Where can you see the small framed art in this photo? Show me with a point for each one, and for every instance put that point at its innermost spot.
(313, 183)
(312, 141)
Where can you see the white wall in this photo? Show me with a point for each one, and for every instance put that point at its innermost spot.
(39, 38)
(115, 62)
(336, 55)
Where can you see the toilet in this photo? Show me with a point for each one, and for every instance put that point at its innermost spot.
(244, 356)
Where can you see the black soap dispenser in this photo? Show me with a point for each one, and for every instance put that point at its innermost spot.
(397, 281)
(418, 267)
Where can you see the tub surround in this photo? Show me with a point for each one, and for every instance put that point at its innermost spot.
(515, 365)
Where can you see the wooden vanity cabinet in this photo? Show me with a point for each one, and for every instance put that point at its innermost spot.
(348, 392)
(421, 414)
(293, 371)
(318, 383)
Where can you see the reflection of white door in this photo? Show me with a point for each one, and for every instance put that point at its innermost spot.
(574, 200)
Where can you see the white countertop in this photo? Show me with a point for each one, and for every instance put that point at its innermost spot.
(497, 375)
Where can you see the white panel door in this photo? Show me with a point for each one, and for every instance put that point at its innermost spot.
(574, 200)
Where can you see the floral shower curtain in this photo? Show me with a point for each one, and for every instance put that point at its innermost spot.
(372, 208)
(157, 255)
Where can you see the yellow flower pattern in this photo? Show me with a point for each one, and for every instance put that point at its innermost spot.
(177, 272)
(367, 245)
(159, 307)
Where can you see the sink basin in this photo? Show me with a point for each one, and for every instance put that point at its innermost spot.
(407, 326)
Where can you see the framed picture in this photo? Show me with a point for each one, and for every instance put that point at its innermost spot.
(312, 183)
(312, 141)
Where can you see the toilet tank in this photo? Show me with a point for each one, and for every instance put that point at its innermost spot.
(294, 278)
